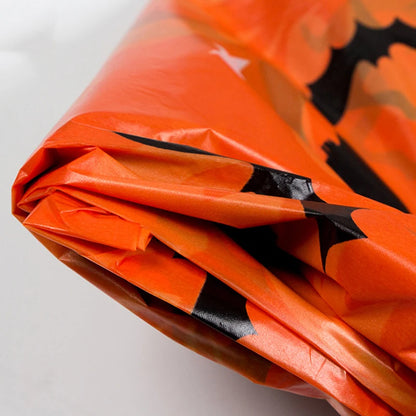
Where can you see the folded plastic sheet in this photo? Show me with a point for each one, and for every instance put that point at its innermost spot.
(241, 175)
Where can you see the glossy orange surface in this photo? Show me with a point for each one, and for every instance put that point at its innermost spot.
(240, 175)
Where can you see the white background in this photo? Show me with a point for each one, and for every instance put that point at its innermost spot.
(65, 347)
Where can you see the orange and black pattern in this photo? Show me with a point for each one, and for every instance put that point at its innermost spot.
(247, 190)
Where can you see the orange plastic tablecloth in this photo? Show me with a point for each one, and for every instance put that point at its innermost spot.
(241, 175)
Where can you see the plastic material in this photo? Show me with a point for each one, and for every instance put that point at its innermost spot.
(240, 175)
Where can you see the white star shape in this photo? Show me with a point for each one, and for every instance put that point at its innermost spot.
(234, 62)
